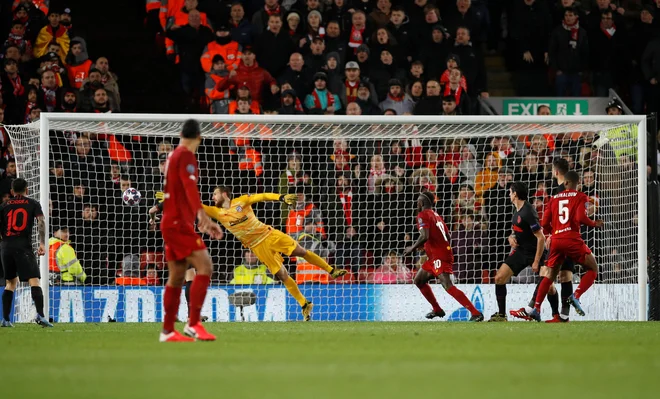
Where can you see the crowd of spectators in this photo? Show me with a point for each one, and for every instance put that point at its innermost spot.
(421, 57)
(357, 199)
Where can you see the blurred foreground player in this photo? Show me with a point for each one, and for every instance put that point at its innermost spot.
(434, 236)
(183, 246)
(562, 219)
(267, 243)
(18, 261)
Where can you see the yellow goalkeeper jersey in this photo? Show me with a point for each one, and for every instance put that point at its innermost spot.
(239, 219)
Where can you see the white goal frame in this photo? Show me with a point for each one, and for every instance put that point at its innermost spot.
(639, 120)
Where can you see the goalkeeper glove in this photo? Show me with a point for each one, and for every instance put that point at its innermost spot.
(289, 199)
(160, 196)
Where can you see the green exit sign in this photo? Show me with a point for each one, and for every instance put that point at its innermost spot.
(528, 106)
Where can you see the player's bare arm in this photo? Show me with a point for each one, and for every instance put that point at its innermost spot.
(41, 231)
(540, 246)
(423, 237)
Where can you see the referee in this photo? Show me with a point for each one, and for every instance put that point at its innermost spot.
(17, 217)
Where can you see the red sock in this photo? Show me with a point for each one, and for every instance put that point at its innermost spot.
(197, 296)
(171, 300)
(586, 282)
(544, 287)
(462, 299)
(428, 294)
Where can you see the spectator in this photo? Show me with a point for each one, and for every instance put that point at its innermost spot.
(314, 29)
(334, 43)
(243, 91)
(223, 45)
(381, 14)
(321, 100)
(86, 94)
(295, 28)
(100, 102)
(78, 62)
(469, 166)
(217, 87)
(305, 214)
(256, 77)
(431, 104)
(51, 62)
(488, 176)
(392, 271)
(89, 238)
(396, 99)
(416, 91)
(242, 30)
(384, 70)
(290, 104)
(50, 94)
(531, 171)
(260, 18)
(469, 243)
(368, 105)
(472, 63)
(298, 75)
(610, 58)
(497, 205)
(353, 109)
(416, 12)
(569, 54)
(416, 71)
(531, 33)
(273, 47)
(17, 38)
(316, 60)
(434, 52)
(463, 14)
(359, 31)
(53, 32)
(599, 6)
(454, 89)
(251, 271)
(449, 106)
(12, 91)
(340, 13)
(333, 70)
(108, 78)
(351, 84)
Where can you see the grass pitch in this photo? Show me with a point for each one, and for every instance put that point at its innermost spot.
(335, 360)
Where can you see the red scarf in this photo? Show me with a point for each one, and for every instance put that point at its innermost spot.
(347, 204)
(356, 38)
(351, 91)
(608, 32)
(317, 101)
(28, 109)
(50, 99)
(376, 173)
(396, 99)
(574, 29)
(276, 11)
(18, 87)
(292, 179)
(456, 94)
(444, 79)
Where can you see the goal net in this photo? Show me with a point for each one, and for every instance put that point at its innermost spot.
(357, 180)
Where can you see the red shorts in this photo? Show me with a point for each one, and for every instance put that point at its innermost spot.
(180, 243)
(436, 267)
(562, 248)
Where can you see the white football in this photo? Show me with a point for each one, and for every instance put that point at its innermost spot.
(131, 197)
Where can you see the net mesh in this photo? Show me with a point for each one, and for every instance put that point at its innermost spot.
(358, 184)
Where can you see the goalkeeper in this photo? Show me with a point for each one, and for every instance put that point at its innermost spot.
(267, 243)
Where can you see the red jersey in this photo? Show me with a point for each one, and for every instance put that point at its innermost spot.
(182, 200)
(437, 246)
(565, 213)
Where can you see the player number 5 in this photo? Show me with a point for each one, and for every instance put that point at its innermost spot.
(563, 211)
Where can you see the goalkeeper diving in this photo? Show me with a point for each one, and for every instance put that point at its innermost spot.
(267, 243)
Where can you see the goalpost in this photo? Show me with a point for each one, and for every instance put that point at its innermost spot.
(358, 179)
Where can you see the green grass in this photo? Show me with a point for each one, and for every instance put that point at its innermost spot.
(335, 360)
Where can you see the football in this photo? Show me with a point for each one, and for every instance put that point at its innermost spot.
(131, 196)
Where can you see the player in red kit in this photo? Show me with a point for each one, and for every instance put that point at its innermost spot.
(434, 236)
(183, 247)
(562, 219)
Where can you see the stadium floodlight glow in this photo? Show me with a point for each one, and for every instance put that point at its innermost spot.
(620, 185)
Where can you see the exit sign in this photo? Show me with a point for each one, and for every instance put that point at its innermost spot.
(527, 106)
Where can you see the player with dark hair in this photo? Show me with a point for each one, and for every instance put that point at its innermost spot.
(559, 169)
(434, 236)
(17, 217)
(528, 251)
(183, 246)
(267, 243)
(562, 219)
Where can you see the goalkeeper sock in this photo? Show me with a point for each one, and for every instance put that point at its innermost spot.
(7, 299)
(566, 292)
(171, 300)
(426, 290)
(536, 291)
(293, 289)
(462, 299)
(554, 303)
(586, 282)
(544, 287)
(38, 298)
(187, 293)
(197, 295)
(316, 260)
(500, 293)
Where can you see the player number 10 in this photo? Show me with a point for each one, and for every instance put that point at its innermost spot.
(563, 211)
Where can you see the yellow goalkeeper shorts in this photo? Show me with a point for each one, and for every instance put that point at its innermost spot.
(270, 250)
